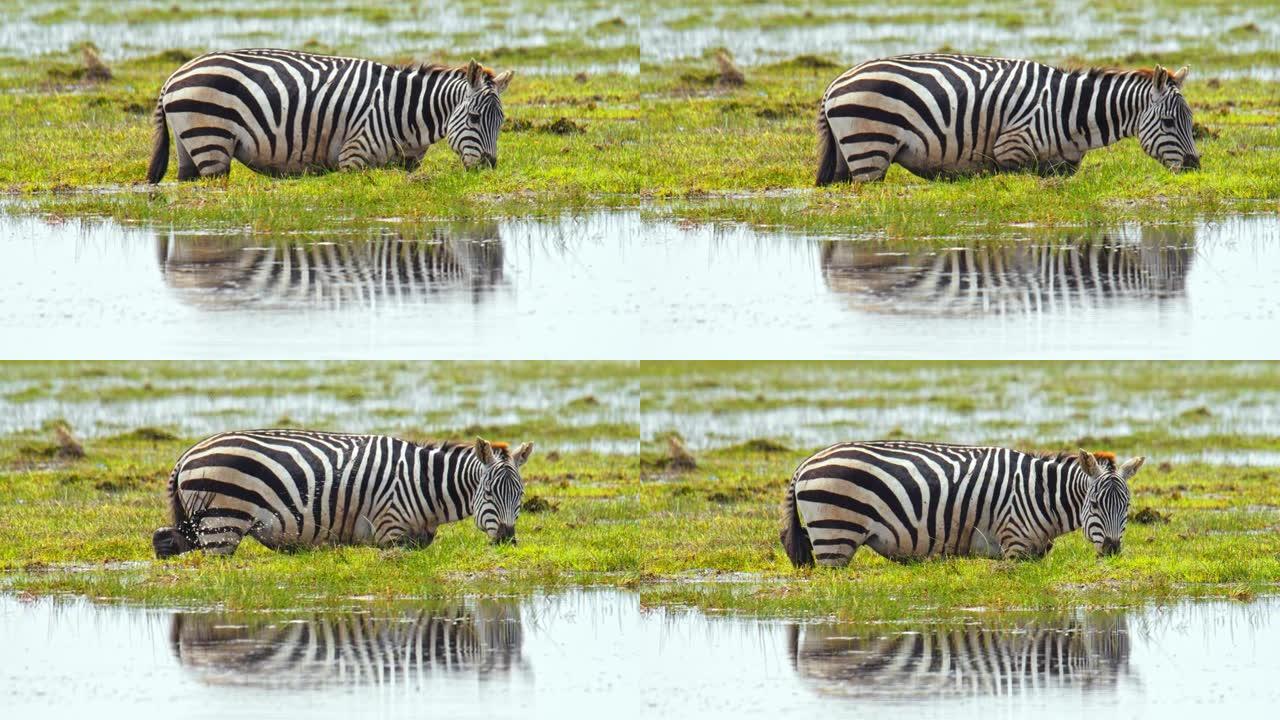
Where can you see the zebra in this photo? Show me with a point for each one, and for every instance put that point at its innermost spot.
(943, 115)
(355, 648)
(1011, 279)
(384, 267)
(1084, 650)
(281, 112)
(297, 488)
(911, 500)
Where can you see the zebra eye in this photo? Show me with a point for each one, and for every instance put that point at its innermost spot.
(1168, 123)
(474, 117)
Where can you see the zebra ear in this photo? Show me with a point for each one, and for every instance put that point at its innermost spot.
(1131, 467)
(521, 455)
(501, 82)
(473, 75)
(1089, 463)
(1160, 78)
(484, 451)
(1180, 76)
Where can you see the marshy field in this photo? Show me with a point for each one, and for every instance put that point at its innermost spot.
(653, 216)
(612, 500)
(660, 151)
(651, 512)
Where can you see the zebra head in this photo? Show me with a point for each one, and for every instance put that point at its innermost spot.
(1164, 128)
(498, 496)
(473, 126)
(1106, 504)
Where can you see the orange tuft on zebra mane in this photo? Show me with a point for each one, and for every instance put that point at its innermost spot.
(507, 446)
(1104, 455)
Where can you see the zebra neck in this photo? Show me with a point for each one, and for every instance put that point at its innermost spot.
(442, 90)
(1074, 489)
(1112, 103)
(451, 490)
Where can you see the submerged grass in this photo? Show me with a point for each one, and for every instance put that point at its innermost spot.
(708, 150)
(702, 531)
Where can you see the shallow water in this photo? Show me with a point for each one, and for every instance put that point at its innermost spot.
(1061, 31)
(201, 398)
(647, 289)
(598, 651)
(807, 405)
(407, 29)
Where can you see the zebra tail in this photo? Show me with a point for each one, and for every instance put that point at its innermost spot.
(795, 539)
(159, 145)
(831, 167)
(170, 541)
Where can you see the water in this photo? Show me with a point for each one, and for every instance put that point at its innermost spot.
(1062, 31)
(403, 29)
(646, 289)
(598, 651)
(193, 399)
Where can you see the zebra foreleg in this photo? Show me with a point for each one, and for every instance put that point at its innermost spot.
(395, 536)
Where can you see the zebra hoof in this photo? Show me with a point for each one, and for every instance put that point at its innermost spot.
(168, 542)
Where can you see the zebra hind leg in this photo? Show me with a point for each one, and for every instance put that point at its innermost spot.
(834, 542)
(218, 534)
(186, 166)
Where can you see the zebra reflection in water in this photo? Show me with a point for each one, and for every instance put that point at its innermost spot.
(1016, 279)
(382, 267)
(350, 649)
(1086, 652)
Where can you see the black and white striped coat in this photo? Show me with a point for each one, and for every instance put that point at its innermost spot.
(1017, 279)
(323, 649)
(282, 112)
(1082, 650)
(953, 115)
(295, 488)
(384, 268)
(916, 500)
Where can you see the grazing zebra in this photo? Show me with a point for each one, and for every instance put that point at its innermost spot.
(323, 649)
(297, 488)
(943, 115)
(915, 500)
(1082, 651)
(282, 113)
(386, 267)
(1017, 279)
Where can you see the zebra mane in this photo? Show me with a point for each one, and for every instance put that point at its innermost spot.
(426, 67)
(1097, 70)
(1104, 457)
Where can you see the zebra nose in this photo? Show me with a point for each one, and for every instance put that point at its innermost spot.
(1191, 162)
(491, 160)
(505, 534)
(1110, 547)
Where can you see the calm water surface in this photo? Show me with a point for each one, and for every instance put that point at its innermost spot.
(642, 289)
(601, 652)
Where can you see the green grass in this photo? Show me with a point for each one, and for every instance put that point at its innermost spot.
(704, 537)
(664, 138)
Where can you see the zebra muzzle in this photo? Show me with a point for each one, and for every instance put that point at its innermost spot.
(506, 534)
(1109, 547)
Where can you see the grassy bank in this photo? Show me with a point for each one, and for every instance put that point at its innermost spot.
(704, 534)
(675, 136)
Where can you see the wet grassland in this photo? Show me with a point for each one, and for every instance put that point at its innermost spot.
(649, 110)
(692, 521)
